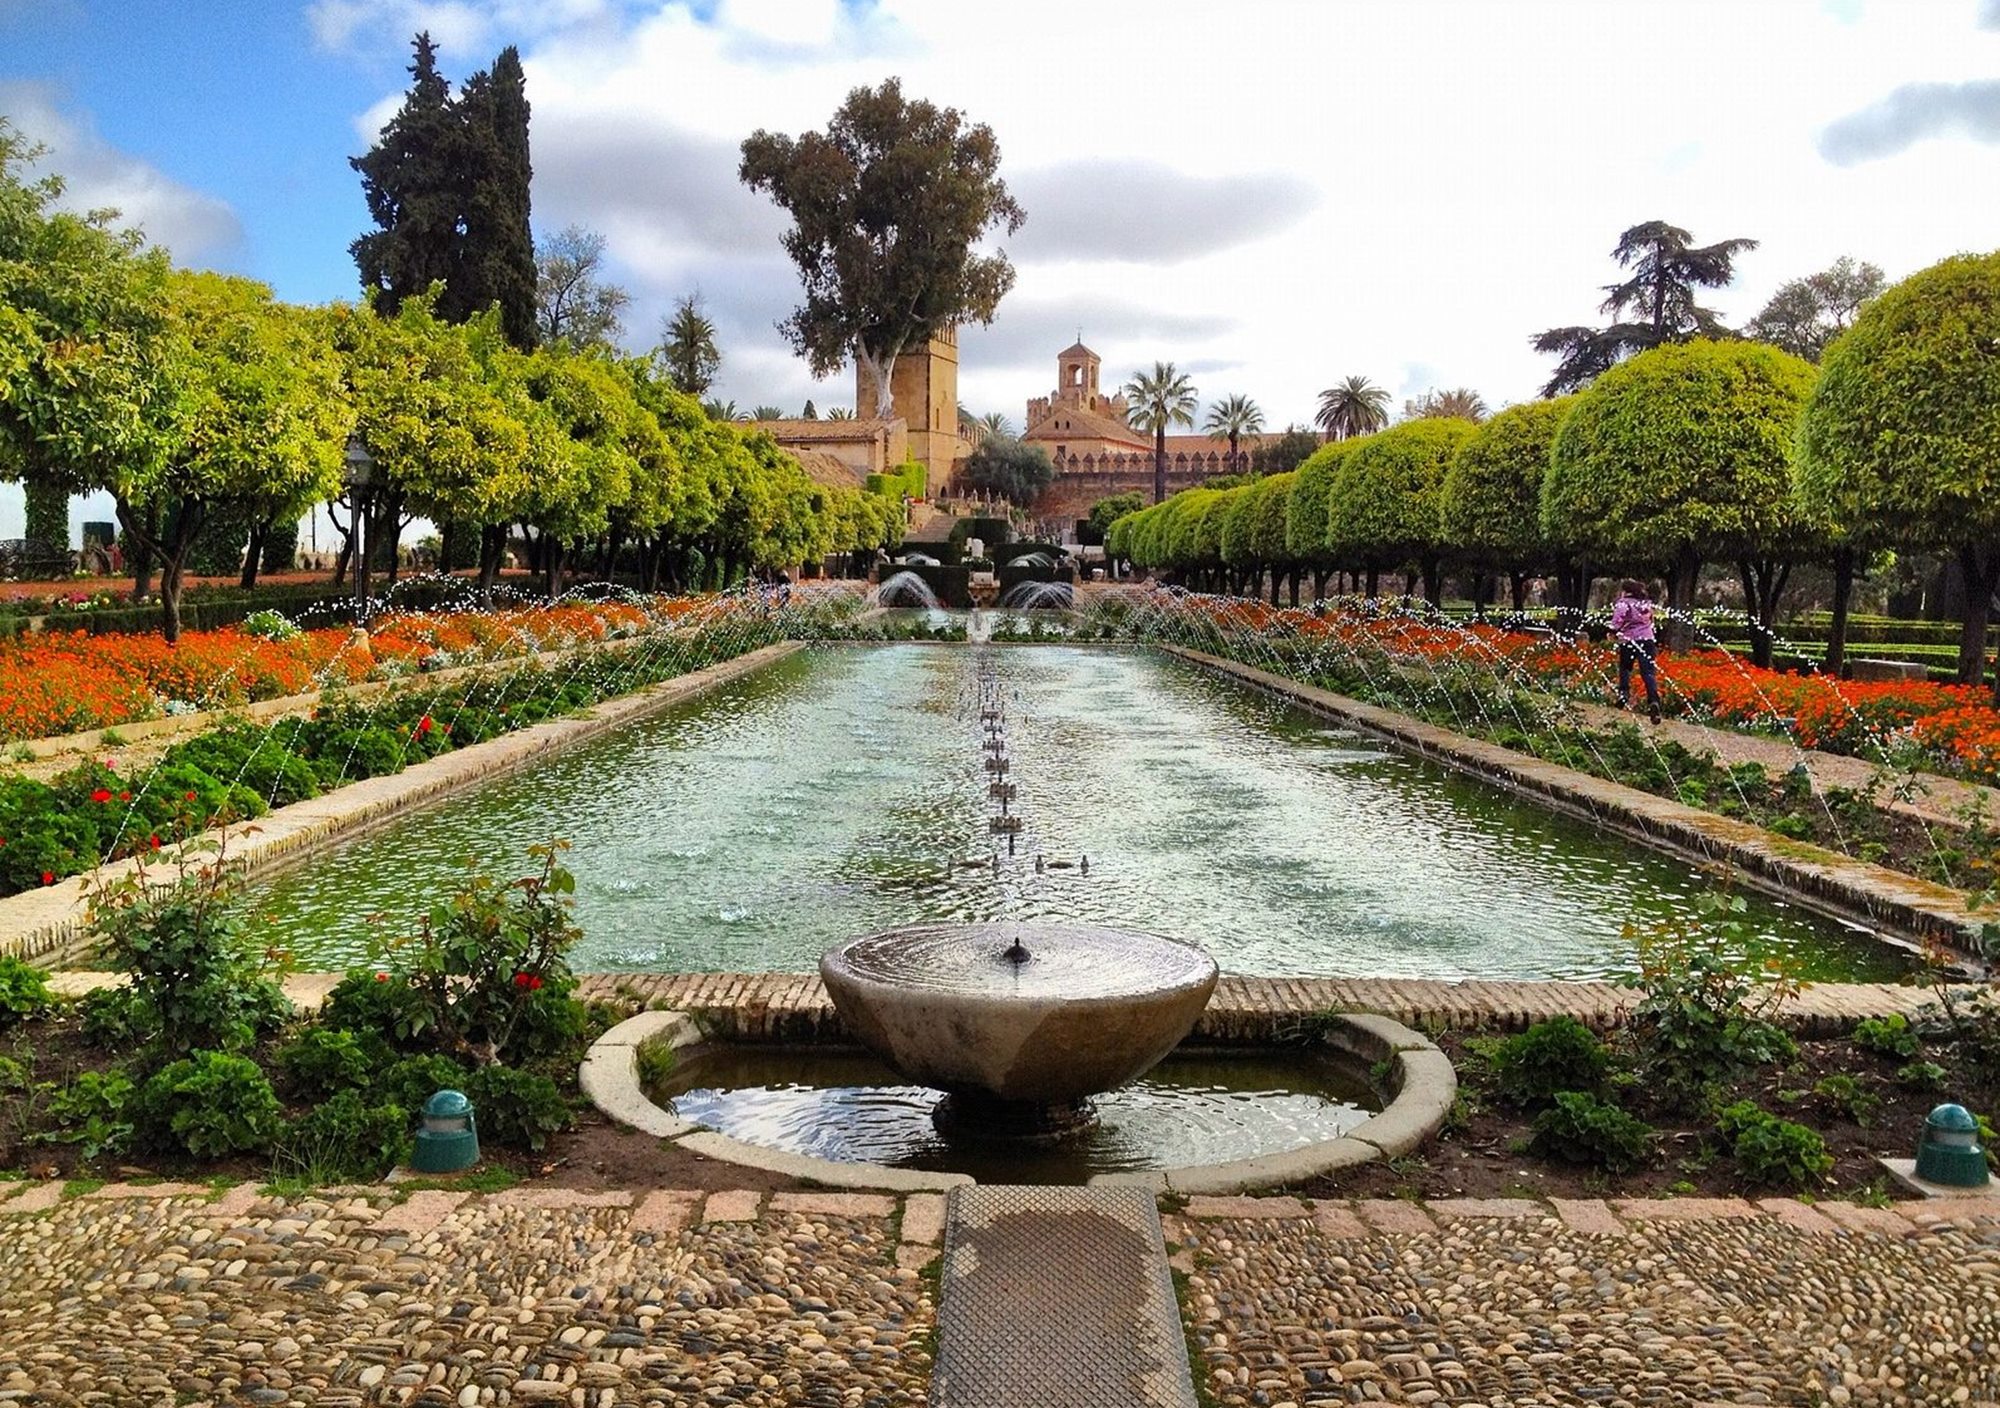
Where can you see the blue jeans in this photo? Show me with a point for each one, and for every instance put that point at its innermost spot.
(1638, 652)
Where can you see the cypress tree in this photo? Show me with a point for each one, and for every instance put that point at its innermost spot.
(410, 178)
(47, 514)
(497, 256)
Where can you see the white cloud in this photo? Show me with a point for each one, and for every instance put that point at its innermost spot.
(1280, 193)
(196, 226)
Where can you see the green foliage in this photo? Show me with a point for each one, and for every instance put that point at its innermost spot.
(1013, 469)
(1681, 453)
(118, 1019)
(516, 1107)
(24, 990)
(1887, 1036)
(1700, 1019)
(1560, 1054)
(1384, 502)
(1771, 1152)
(46, 517)
(1109, 510)
(345, 1137)
(1921, 1075)
(1308, 505)
(322, 1061)
(1579, 1128)
(1848, 1098)
(415, 1079)
(270, 625)
(1490, 504)
(1284, 452)
(210, 1105)
(483, 961)
(1900, 435)
(92, 1112)
(371, 1002)
(196, 983)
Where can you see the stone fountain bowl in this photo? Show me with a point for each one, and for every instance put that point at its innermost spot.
(1087, 1011)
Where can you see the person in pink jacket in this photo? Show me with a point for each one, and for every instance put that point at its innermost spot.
(1632, 624)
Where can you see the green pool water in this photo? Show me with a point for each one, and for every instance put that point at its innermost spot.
(843, 790)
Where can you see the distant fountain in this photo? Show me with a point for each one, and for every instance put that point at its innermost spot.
(1039, 596)
(904, 589)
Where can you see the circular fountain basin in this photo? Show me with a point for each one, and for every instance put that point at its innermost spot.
(1086, 1010)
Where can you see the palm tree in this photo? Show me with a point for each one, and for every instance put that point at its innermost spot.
(1461, 403)
(994, 425)
(1357, 406)
(1154, 402)
(768, 413)
(687, 348)
(840, 413)
(721, 410)
(1232, 418)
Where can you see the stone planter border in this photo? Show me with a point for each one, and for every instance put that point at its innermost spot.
(1420, 1078)
(44, 922)
(1901, 909)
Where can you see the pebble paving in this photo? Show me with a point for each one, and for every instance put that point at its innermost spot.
(1509, 1302)
(447, 1299)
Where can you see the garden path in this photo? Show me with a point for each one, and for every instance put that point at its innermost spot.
(1927, 797)
(179, 1294)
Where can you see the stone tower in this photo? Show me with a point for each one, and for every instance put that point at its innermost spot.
(924, 390)
(1076, 387)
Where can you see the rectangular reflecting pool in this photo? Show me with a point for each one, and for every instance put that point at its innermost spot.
(844, 789)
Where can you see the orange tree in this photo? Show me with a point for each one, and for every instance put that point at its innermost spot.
(1384, 504)
(1490, 504)
(1901, 437)
(1682, 454)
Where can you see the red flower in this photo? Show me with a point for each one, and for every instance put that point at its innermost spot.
(153, 841)
(529, 981)
(48, 877)
(102, 794)
(381, 977)
(424, 724)
(189, 797)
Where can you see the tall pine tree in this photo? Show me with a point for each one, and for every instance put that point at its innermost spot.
(497, 257)
(411, 180)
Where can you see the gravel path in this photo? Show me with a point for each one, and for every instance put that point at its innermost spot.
(556, 1298)
(1685, 1302)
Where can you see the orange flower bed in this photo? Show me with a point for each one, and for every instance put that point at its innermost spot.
(1956, 724)
(70, 681)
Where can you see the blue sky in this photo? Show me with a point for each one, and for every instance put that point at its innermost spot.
(1273, 194)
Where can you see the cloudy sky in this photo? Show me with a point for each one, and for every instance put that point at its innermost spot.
(1271, 193)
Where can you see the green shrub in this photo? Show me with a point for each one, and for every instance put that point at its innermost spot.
(1700, 1019)
(516, 1107)
(1771, 1152)
(270, 625)
(1556, 1055)
(372, 1001)
(24, 990)
(1921, 1075)
(118, 1019)
(209, 1105)
(347, 1138)
(197, 985)
(321, 1062)
(94, 1112)
(1581, 1129)
(1846, 1097)
(414, 1079)
(1887, 1036)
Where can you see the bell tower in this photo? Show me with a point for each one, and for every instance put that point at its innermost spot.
(924, 391)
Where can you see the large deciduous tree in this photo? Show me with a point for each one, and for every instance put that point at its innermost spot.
(1901, 436)
(575, 306)
(1490, 504)
(1013, 469)
(1683, 454)
(1654, 305)
(1805, 315)
(1156, 400)
(887, 206)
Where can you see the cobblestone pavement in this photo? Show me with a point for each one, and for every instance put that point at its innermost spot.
(1506, 1302)
(127, 1296)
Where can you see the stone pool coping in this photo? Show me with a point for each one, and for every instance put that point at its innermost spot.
(36, 923)
(1900, 908)
(1419, 1078)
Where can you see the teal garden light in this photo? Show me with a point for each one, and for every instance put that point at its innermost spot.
(448, 1142)
(1949, 1152)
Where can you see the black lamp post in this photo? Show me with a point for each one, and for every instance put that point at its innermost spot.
(357, 476)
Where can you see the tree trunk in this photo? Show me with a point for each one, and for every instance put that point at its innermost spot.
(556, 551)
(1680, 599)
(1320, 575)
(492, 546)
(142, 549)
(170, 546)
(1433, 574)
(1160, 462)
(1374, 583)
(1843, 594)
(1517, 582)
(1292, 586)
(254, 558)
(1277, 584)
(1764, 582)
(1981, 568)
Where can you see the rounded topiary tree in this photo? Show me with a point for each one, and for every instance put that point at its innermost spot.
(1900, 440)
(1681, 455)
(1238, 512)
(1384, 504)
(1306, 506)
(1268, 537)
(1490, 504)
